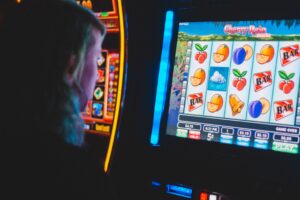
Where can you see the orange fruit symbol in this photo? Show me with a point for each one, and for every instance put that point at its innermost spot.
(198, 78)
(221, 54)
(215, 104)
(266, 54)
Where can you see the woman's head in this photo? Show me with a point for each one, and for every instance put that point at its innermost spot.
(49, 48)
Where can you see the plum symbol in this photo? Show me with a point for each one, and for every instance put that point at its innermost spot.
(241, 54)
(258, 107)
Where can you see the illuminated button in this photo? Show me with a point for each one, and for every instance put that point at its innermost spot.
(261, 144)
(285, 147)
(182, 133)
(155, 184)
(87, 126)
(242, 141)
(104, 14)
(203, 196)
(179, 190)
(227, 139)
(213, 197)
(195, 135)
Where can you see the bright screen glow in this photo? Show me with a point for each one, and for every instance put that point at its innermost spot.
(237, 83)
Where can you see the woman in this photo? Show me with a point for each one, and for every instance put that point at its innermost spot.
(48, 53)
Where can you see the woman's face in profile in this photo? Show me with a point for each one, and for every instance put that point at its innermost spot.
(89, 73)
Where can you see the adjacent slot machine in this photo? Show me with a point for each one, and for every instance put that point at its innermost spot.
(103, 111)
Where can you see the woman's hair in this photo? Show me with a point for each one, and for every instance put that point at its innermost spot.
(38, 39)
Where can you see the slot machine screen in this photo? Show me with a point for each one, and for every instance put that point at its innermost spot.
(100, 110)
(237, 83)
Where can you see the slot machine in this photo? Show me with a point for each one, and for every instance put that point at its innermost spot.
(226, 105)
(230, 116)
(102, 114)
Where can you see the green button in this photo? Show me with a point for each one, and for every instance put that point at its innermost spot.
(285, 147)
(182, 133)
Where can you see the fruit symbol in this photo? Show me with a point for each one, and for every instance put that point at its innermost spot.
(236, 104)
(286, 85)
(201, 55)
(258, 107)
(198, 78)
(215, 104)
(239, 82)
(241, 54)
(221, 54)
(266, 54)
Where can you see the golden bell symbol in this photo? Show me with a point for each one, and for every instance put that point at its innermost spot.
(236, 104)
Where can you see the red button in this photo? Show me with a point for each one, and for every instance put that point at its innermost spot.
(203, 196)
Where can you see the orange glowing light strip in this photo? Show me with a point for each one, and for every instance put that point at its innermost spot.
(114, 8)
(118, 103)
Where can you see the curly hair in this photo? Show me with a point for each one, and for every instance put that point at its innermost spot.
(38, 39)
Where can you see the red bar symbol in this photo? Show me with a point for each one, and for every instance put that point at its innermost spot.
(283, 108)
(289, 54)
(262, 80)
(195, 101)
